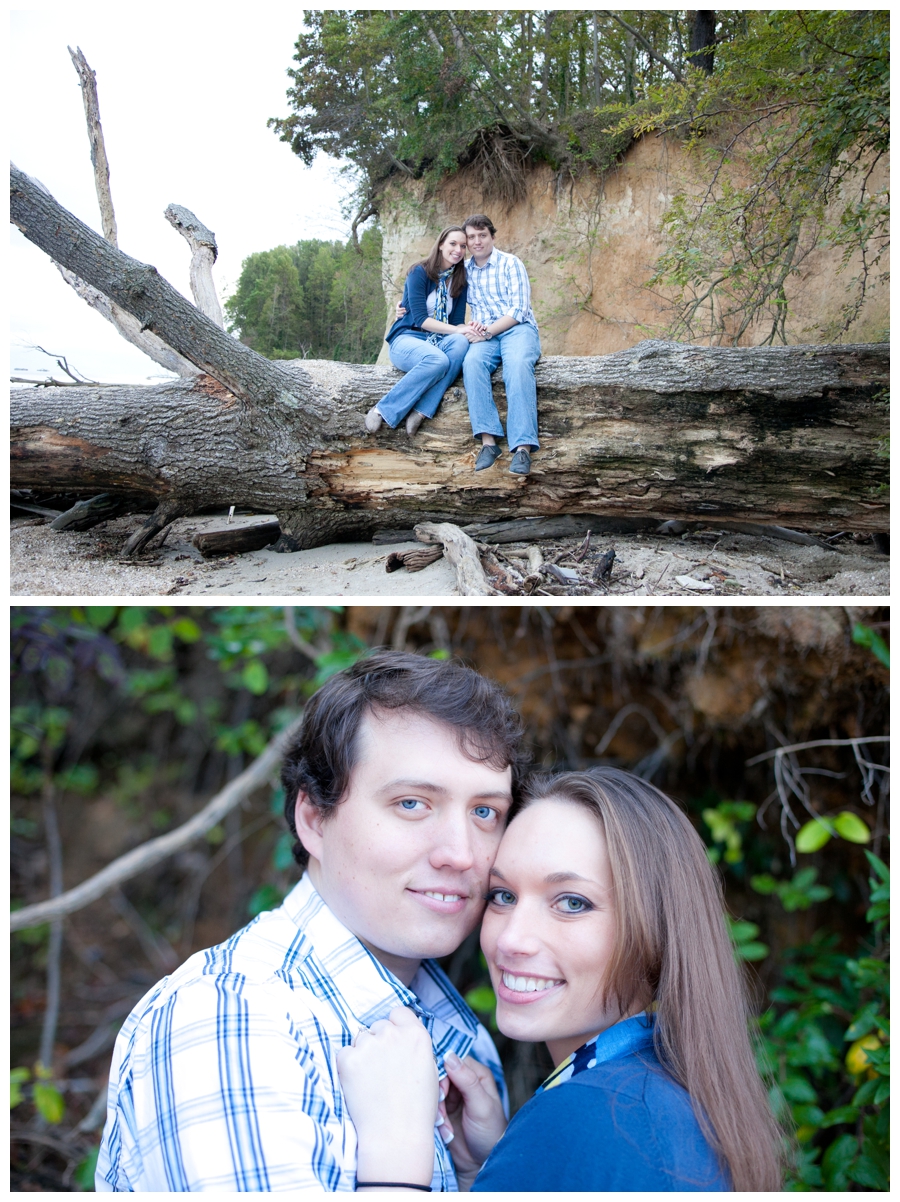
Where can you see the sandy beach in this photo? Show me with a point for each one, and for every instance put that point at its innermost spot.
(44, 563)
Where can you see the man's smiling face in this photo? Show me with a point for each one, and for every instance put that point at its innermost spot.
(403, 860)
(480, 243)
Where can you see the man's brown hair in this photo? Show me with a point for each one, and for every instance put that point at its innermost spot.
(479, 222)
(320, 761)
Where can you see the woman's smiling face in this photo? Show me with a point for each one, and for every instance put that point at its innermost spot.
(453, 248)
(549, 930)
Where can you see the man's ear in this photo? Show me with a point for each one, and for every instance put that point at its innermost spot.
(308, 819)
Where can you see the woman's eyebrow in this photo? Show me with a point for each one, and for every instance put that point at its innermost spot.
(557, 878)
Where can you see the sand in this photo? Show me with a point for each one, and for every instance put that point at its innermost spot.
(44, 563)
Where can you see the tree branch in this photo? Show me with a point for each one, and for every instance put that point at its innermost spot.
(155, 850)
(88, 80)
(643, 41)
(140, 290)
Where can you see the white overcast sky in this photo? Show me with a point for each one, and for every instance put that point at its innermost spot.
(185, 92)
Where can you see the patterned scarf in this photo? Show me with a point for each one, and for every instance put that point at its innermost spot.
(441, 301)
(614, 1042)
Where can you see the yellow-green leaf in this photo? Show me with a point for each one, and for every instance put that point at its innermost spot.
(49, 1102)
(255, 677)
(851, 827)
(813, 835)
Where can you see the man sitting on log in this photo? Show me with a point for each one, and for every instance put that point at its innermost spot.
(500, 301)
(224, 1076)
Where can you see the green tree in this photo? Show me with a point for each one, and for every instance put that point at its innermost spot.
(314, 300)
(424, 92)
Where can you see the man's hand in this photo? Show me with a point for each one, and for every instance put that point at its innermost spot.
(474, 1114)
(390, 1084)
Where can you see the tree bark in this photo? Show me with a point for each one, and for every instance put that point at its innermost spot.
(791, 436)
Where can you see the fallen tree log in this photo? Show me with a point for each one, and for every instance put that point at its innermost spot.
(791, 436)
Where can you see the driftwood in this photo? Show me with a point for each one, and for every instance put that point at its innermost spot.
(413, 561)
(85, 514)
(462, 553)
(768, 435)
(235, 540)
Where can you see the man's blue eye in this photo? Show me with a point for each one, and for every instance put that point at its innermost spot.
(484, 811)
(410, 803)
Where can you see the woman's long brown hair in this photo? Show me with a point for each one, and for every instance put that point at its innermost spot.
(434, 264)
(673, 949)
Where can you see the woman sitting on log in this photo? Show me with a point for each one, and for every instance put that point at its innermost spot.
(430, 340)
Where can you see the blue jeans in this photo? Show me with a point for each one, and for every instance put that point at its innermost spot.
(519, 348)
(430, 370)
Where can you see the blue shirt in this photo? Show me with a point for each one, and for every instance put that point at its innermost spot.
(620, 1124)
(224, 1076)
(415, 302)
(500, 288)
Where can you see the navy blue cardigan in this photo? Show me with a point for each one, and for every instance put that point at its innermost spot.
(415, 296)
(623, 1125)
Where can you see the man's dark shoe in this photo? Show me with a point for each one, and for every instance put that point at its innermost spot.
(521, 463)
(487, 457)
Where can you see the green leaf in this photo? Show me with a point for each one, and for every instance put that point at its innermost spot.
(879, 867)
(482, 999)
(843, 1114)
(752, 951)
(100, 616)
(863, 1022)
(882, 1092)
(17, 1078)
(865, 1095)
(869, 1173)
(267, 897)
(159, 643)
(131, 617)
(865, 636)
(837, 1161)
(49, 1102)
(813, 835)
(255, 677)
(187, 630)
(851, 827)
(282, 856)
(84, 1173)
(798, 1089)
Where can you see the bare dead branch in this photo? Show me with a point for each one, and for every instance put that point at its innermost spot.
(155, 850)
(88, 80)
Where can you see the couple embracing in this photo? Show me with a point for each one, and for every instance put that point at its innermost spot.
(431, 341)
(322, 1047)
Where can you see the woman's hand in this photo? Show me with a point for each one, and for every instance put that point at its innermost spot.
(390, 1084)
(474, 1114)
(400, 311)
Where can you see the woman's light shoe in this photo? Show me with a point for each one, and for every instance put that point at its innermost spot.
(374, 420)
(413, 422)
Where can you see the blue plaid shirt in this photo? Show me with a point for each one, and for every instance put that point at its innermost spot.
(224, 1075)
(500, 289)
